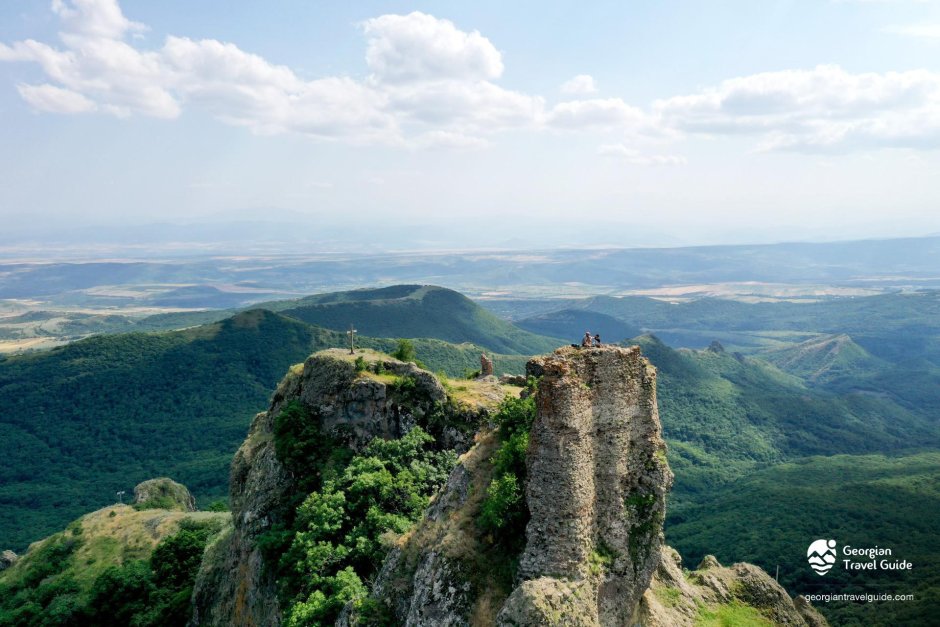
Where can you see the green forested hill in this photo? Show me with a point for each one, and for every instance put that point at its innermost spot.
(414, 311)
(566, 322)
(894, 326)
(725, 414)
(770, 517)
(740, 432)
(87, 419)
(826, 359)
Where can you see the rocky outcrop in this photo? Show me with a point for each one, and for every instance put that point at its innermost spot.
(355, 405)
(163, 493)
(597, 487)
(679, 599)
(7, 559)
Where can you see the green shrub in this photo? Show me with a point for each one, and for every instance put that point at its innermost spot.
(515, 415)
(336, 541)
(503, 513)
(500, 509)
(307, 452)
(405, 351)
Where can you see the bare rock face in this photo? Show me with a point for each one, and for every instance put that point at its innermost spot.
(7, 559)
(597, 486)
(164, 493)
(677, 599)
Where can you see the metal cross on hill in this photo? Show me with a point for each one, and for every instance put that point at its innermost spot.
(352, 340)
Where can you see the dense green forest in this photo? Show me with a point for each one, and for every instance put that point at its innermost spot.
(770, 517)
(725, 415)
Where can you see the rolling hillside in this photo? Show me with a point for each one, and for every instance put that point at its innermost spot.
(725, 415)
(87, 419)
(414, 311)
(562, 324)
(825, 359)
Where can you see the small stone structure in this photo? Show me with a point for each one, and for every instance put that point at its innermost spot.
(486, 366)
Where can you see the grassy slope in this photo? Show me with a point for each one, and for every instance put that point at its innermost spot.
(56, 576)
(96, 416)
(108, 537)
(825, 359)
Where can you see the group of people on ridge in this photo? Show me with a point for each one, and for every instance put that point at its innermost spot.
(588, 341)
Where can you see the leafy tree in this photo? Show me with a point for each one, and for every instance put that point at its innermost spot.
(338, 534)
(504, 513)
(405, 351)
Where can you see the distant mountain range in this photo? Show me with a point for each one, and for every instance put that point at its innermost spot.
(241, 279)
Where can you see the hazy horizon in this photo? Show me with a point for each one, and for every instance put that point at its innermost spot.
(474, 125)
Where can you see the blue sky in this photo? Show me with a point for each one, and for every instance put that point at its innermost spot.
(476, 123)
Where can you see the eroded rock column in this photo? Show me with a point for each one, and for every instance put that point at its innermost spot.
(598, 479)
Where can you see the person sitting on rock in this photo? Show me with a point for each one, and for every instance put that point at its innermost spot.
(586, 342)
(597, 340)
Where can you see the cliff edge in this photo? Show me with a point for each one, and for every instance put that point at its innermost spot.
(574, 475)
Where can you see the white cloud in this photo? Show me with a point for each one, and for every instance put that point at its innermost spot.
(94, 18)
(580, 85)
(598, 113)
(922, 31)
(480, 105)
(825, 108)
(55, 99)
(427, 75)
(634, 156)
(432, 84)
(419, 47)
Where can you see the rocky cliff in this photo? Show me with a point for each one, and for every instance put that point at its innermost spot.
(591, 552)
(352, 400)
(597, 488)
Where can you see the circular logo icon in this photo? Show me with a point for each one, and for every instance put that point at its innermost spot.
(821, 555)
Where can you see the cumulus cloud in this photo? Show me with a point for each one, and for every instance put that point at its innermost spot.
(94, 18)
(427, 77)
(635, 157)
(432, 84)
(55, 99)
(420, 47)
(580, 85)
(825, 108)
